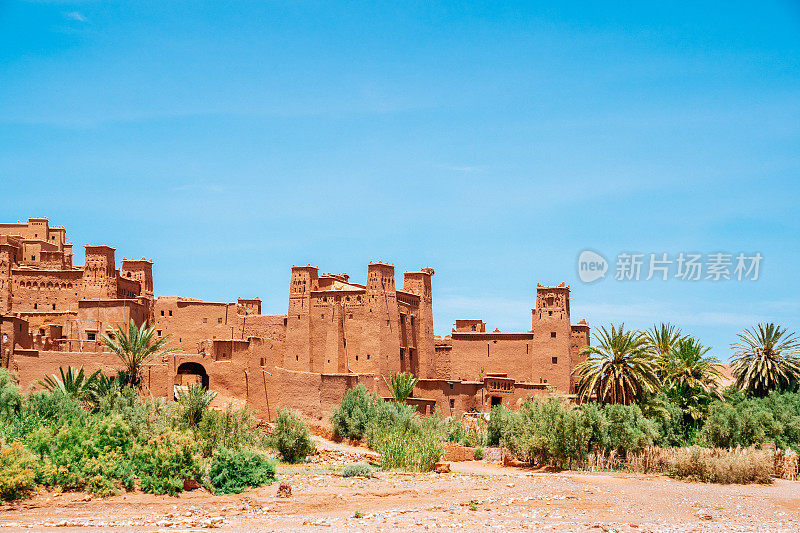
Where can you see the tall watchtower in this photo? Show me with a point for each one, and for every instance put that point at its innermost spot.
(298, 353)
(382, 325)
(7, 260)
(419, 283)
(140, 270)
(99, 273)
(552, 336)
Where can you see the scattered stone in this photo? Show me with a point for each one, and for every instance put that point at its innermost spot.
(442, 468)
(191, 484)
(284, 490)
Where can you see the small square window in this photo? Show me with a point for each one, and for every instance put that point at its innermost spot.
(452, 403)
(555, 360)
(54, 307)
(159, 333)
(205, 321)
(170, 312)
(91, 335)
(162, 312)
(553, 334)
(367, 356)
(219, 321)
(356, 358)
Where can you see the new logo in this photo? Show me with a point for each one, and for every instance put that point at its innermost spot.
(591, 266)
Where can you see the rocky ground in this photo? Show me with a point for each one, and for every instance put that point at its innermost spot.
(474, 496)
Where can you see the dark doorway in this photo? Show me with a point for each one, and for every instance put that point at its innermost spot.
(496, 400)
(191, 374)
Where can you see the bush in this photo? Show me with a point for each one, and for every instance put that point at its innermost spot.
(351, 417)
(555, 432)
(10, 398)
(290, 437)
(235, 471)
(388, 415)
(721, 466)
(416, 448)
(166, 461)
(478, 453)
(17, 472)
(357, 470)
(93, 454)
(499, 420)
(628, 430)
(194, 402)
(231, 428)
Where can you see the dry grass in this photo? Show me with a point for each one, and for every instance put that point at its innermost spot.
(713, 465)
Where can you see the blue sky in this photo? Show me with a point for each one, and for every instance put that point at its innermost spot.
(228, 141)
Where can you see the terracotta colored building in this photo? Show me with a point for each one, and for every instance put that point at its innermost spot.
(335, 333)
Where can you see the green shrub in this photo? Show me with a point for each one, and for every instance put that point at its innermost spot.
(10, 398)
(401, 385)
(388, 415)
(357, 470)
(500, 418)
(547, 432)
(290, 437)
(194, 402)
(231, 428)
(742, 421)
(165, 461)
(414, 449)
(93, 454)
(235, 471)
(351, 417)
(478, 453)
(628, 430)
(455, 430)
(17, 472)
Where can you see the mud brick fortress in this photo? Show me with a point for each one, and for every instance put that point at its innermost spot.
(335, 334)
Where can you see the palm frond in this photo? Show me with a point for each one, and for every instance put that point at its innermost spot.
(135, 347)
(619, 368)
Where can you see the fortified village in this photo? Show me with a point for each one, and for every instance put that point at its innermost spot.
(335, 334)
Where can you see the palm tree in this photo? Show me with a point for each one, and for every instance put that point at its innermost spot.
(766, 358)
(73, 384)
(619, 369)
(194, 402)
(688, 367)
(134, 348)
(662, 340)
(401, 385)
(691, 378)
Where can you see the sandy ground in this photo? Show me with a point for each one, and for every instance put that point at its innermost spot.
(475, 496)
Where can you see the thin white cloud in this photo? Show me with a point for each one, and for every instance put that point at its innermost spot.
(77, 16)
(467, 169)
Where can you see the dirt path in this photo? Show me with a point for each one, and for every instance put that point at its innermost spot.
(475, 496)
